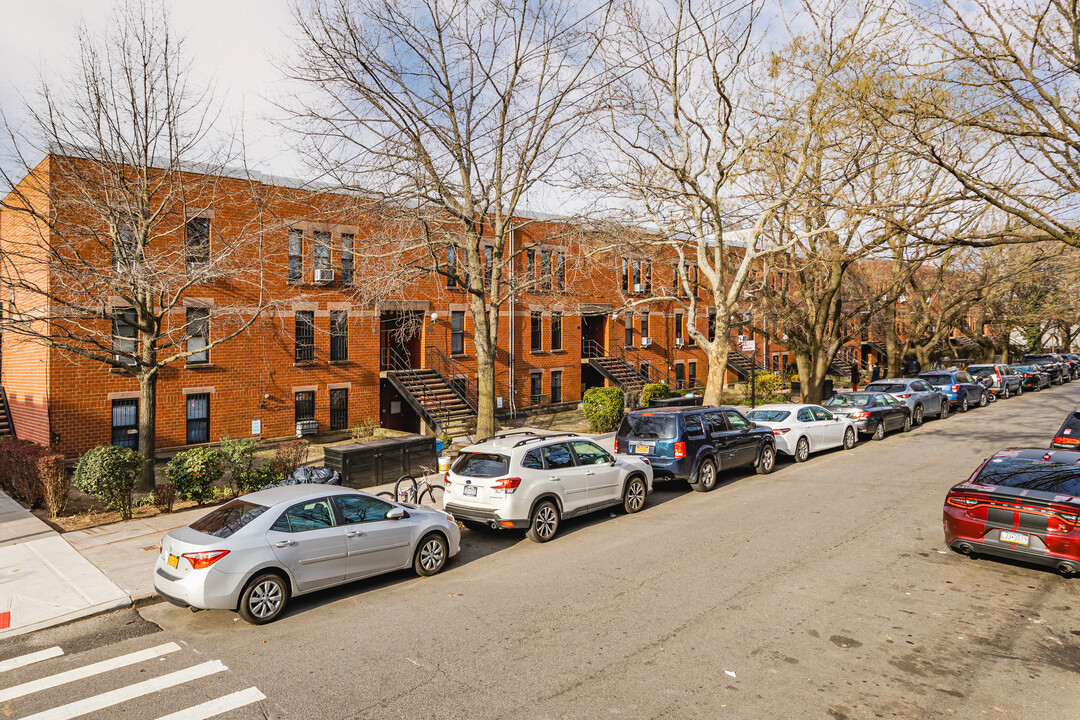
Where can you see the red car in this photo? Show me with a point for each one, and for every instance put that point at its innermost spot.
(1019, 504)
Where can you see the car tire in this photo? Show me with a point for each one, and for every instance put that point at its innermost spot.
(984, 400)
(849, 438)
(879, 432)
(802, 450)
(963, 407)
(544, 522)
(706, 476)
(1005, 393)
(944, 410)
(907, 423)
(918, 416)
(634, 497)
(1019, 391)
(264, 598)
(431, 555)
(767, 460)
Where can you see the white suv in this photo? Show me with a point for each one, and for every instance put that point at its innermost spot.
(524, 480)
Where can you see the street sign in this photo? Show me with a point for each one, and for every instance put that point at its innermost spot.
(748, 346)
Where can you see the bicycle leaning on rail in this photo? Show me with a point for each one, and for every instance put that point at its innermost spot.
(408, 490)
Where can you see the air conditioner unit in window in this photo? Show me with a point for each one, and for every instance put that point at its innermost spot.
(324, 276)
(639, 287)
(679, 342)
(646, 342)
(307, 427)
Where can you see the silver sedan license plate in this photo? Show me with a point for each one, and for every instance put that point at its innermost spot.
(470, 490)
(1014, 537)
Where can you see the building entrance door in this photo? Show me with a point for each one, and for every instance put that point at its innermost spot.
(399, 339)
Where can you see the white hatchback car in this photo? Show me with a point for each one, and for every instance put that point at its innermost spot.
(803, 429)
(252, 554)
(523, 480)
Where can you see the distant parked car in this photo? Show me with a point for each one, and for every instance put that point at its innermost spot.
(533, 482)
(1032, 377)
(961, 389)
(1003, 381)
(1059, 370)
(1022, 504)
(256, 552)
(916, 394)
(803, 429)
(1068, 435)
(694, 443)
(1074, 362)
(873, 413)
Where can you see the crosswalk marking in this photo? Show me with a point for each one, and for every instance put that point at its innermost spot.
(86, 671)
(215, 707)
(115, 697)
(30, 658)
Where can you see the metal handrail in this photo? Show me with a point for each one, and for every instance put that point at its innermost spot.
(7, 413)
(394, 361)
(438, 361)
(590, 348)
(622, 350)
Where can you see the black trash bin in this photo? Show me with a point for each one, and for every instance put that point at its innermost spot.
(381, 461)
(681, 401)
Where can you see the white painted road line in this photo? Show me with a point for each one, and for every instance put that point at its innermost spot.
(215, 707)
(115, 697)
(30, 659)
(97, 668)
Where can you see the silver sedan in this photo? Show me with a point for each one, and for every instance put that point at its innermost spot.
(252, 554)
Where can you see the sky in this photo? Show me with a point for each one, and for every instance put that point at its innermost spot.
(236, 42)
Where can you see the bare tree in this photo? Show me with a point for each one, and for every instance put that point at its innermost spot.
(455, 111)
(111, 231)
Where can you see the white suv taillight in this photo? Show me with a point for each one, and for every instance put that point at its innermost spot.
(507, 484)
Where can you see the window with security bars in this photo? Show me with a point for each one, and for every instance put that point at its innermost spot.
(680, 376)
(304, 405)
(198, 419)
(347, 257)
(536, 333)
(339, 335)
(556, 386)
(125, 423)
(556, 331)
(691, 374)
(536, 389)
(197, 242)
(296, 256)
(339, 409)
(198, 335)
(305, 336)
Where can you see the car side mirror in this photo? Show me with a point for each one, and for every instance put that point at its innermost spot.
(395, 514)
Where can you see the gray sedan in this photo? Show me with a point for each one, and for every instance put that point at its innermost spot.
(917, 394)
(252, 554)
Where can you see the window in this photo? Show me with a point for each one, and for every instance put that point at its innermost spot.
(545, 269)
(556, 386)
(694, 428)
(716, 423)
(537, 334)
(296, 256)
(125, 423)
(309, 515)
(648, 276)
(628, 330)
(678, 326)
(489, 256)
(805, 415)
(644, 324)
(197, 242)
(822, 414)
(558, 456)
(692, 273)
(643, 370)
(484, 465)
(590, 454)
(321, 251)
(533, 460)
(680, 376)
(339, 409)
(736, 421)
(712, 325)
(691, 373)
(625, 275)
(457, 332)
(560, 259)
(536, 388)
(689, 337)
(198, 418)
(339, 335)
(347, 257)
(530, 266)
(675, 284)
(361, 508)
(305, 335)
(125, 333)
(556, 331)
(304, 405)
(124, 252)
(222, 522)
(637, 272)
(451, 266)
(198, 335)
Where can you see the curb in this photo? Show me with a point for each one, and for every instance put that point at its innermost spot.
(145, 600)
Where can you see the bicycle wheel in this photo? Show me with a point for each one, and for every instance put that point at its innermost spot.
(386, 494)
(405, 489)
(434, 493)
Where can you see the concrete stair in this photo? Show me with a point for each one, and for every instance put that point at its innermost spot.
(434, 400)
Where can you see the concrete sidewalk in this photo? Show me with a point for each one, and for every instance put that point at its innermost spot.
(44, 581)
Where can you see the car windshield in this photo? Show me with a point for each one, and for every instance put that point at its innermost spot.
(938, 379)
(886, 387)
(1022, 368)
(481, 465)
(847, 400)
(768, 415)
(648, 425)
(224, 521)
(1040, 475)
(982, 371)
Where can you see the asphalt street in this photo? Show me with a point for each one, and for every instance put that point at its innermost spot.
(823, 590)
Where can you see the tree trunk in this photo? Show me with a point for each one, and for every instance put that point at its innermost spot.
(486, 326)
(922, 354)
(892, 346)
(147, 428)
(716, 355)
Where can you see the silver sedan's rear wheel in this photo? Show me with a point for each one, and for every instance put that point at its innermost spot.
(264, 599)
(431, 555)
(849, 438)
(802, 450)
(544, 523)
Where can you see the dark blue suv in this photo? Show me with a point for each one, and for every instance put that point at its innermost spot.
(962, 390)
(693, 443)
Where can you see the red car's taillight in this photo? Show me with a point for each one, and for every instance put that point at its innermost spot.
(1062, 440)
(507, 484)
(201, 560)
(961, 501)
(680, 449)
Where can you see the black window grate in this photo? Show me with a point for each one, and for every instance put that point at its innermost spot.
(556, 386)
(304, 405)
(339, 335)
(537, 332)
(198, 419)
(125, 423)
(556, 331)
(339, 409)
(305, 335)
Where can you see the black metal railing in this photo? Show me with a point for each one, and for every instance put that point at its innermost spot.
(637, 360)
(591, 349)
(7, 412)
(455, 376)
(538, 399)
(431, 408)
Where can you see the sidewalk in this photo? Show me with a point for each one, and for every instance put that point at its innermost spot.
(44, 581)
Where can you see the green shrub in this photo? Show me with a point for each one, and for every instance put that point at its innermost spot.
(194, 472)
(258, 477)
(765, 384)
(655, 390)
(54, 483)
(109, 474)
(18, 470)
(603, 408)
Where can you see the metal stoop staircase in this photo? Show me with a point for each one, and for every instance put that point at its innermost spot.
(7, 427)
(741, 363)
(441, 399)
(624, 367)
(847, 356)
